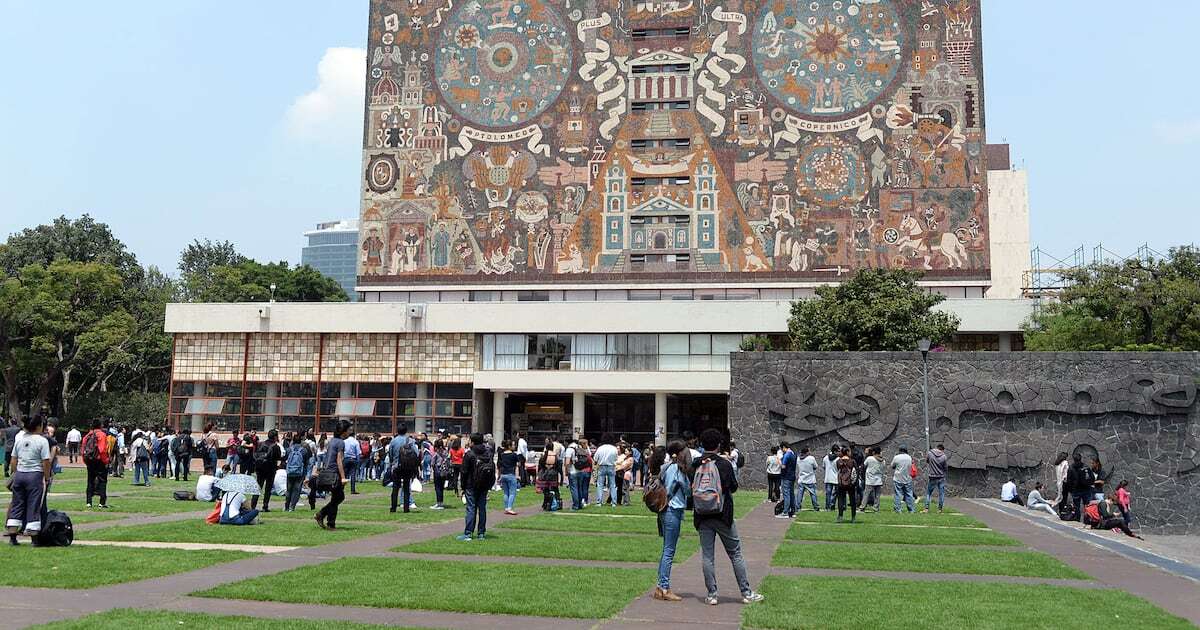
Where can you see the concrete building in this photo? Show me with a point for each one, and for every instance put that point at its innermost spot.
(568, 231)
(332, 250)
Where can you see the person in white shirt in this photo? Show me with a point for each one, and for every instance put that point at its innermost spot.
(806, 478)
(1009, 494)
(140, 452)
(74, 437)
(902, 480)
(31, 474)
(605, 461)
(831, 475)
(204, 487)
(1036, 502)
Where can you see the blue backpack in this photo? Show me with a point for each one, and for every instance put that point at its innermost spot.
(295, 460)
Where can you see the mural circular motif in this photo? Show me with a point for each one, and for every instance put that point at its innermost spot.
(833, 172)
(828, 59)
(503, 67)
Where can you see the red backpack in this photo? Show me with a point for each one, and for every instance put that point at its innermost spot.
(1091, 513)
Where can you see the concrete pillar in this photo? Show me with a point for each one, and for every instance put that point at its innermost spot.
(578, 418)
(347, 391)
(1005, 342)
(498, 416)
(660, 418)
(271, 406)
(197, 420)
(424, 408)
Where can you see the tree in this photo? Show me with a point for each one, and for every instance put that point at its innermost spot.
(877, 309)
(83, 240)
(197, 262)
(1132, 305)
(250, 281)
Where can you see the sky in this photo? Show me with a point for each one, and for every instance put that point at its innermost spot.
(187, 119)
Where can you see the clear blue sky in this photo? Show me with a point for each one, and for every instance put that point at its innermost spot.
(241, 120)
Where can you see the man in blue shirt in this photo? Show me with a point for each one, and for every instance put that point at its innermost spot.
(787, 480)
(350, 459)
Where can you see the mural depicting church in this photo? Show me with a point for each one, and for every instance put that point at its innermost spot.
(789, 139)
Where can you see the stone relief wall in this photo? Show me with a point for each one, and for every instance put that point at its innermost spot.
(998, 414)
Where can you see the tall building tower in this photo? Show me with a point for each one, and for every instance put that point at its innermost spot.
(332, 249)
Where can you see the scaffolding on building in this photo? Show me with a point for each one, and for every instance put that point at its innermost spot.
(1049, 274)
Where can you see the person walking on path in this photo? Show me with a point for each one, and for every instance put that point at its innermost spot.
(873, 479)
(774, 475)
(1035, 500)
(31, 474)
(479, 474)
(405, 461)
(936, 459)
(713, 484)
(847, 487)
(94, 452)
(673, 475)
(606, 461)
(73, 439)
(902, 480)
(335, 460)
(787, 481)
(829, 462)
(510, 463)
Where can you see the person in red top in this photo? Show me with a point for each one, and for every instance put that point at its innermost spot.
(456, 460)
(94, 448)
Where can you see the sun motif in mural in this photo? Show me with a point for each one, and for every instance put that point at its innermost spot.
(828, 60)
(832, 172)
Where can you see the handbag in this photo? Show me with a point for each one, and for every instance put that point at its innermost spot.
(328, 479)
(912, 471)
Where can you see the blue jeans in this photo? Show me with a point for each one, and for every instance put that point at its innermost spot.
(672, 523)
(585, 485)
(940, 484)
(606, 478)
(830, 495)
(245, 517)
(476, 512)
(904, 490)
(788, 486)
(509, 484)
(141, 470)
(351, 466)
(578, 485)
(811, 489)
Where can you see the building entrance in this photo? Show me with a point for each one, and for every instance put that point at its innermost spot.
(538, 416)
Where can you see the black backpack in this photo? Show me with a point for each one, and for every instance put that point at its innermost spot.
(262, 455)
(581, 461)
(484, 476)
(741, 459)
(409, 462)
(57, 531)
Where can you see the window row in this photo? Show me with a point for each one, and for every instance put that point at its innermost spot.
(602, 353)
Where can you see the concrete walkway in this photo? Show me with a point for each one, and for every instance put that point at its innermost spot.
(184, 546)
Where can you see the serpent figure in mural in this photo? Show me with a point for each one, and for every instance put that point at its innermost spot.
(859, 412)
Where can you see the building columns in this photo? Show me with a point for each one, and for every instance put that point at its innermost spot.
(498, 416)
(578, 414)
(346, 391)
(1005, 342)
(660, 418)
(271, 406)
(198, 391)
(424, 408)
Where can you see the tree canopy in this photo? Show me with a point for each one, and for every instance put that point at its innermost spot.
(877, 309)
(1131, 305)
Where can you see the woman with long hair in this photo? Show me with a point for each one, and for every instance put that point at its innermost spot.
(327, 516)
(1062, 465)
(674, 475)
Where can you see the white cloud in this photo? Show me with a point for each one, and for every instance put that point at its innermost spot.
(1178, 131)
(333, 111)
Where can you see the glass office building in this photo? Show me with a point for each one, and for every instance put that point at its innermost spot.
(331, 250)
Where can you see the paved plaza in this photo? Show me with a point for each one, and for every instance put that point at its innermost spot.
(581, 570)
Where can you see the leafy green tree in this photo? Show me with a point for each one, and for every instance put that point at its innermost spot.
(82, 240)
(198, 261)
(1131, 305)
(877, 309)
(250, 281)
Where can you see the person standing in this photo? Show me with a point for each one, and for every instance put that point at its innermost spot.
(774, 470)
(297, 464)
(94, 452)
(211, 449)
(847, 487)
(572, 473)
(266, 461)
(1080, 480)
(73, 439)
(335, 460)
(936, 459)
(406, 464)
(523, 451)
(31, 464)
(873, 478)
(1062, 465)
(713, 484)
(787, 479)
(1125, 501)
(606, 461)
(829, 462)
(11, 429)
(441, 473)
(351, 461)
(806, 478)
(456, 463)
(585, 473)
(183, 454)
(549, 476)
(509, 463)
(902, 480)
(141, 460)
(674, 477)
(478, 474)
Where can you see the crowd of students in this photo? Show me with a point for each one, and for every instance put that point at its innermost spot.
(1082, 495)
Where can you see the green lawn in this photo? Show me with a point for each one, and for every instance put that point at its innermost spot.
(619, 522)
(888, 517)
(922, 560)
(546, 545)
(976, 605)
(88, 567)
(514, 589)
(125, 618)
(143, 505)
(272, 531)
(864, 533)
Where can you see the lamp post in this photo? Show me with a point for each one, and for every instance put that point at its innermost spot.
(923, 346)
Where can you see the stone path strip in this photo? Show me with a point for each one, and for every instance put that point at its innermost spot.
(935, 577)
(1173, 593)
(185, 546)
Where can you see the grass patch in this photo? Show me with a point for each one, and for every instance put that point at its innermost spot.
(888, 517)
(592, 522)
(977, 605)
(125, 618)
(864, 533)
(923, 560)
(290, 533)
(374, 512)
(546, 545)
(80, 517)
(89, 567)
(545, 591)
(146, 505)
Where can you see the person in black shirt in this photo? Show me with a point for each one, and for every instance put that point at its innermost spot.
(510, 463)
(549, 477)
(266, 462)
(712, 526)
(476, 484)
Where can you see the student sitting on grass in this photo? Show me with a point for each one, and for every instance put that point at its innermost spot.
(1036, 502)
(236, 510)
(1110, 518)
(1009, 494)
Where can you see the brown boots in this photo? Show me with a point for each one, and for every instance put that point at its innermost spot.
(665, 595)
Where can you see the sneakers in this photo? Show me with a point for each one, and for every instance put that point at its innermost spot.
(665, 595)
(751, 597)
(481, 537)
(510, 512)
(462, 538)
(320, 521)
(439, 506)
(782, 516)
(87, 506)
(711, 601)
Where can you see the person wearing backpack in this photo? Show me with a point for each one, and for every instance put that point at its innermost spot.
(298, 461)
(94, 450)
(713, 483)
(549, 477)
(1080, 482)
(140, 449)
(406, 465)
(442, 473)
(266, 461)
(847, 487)
(671, 467)
(183, 454)
(479, 475)
(577, 460)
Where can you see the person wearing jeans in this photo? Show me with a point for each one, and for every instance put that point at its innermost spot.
(902, 480)
(509, 463)
(97, 469)
(936, 459)
(605, 461)
(831, 476)
(475, 490)
(674, 479)
(787, 480)
(720, 524)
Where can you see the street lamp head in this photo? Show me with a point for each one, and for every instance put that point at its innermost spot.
(923, 345)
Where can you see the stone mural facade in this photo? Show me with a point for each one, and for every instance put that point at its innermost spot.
(998, 414)
(523, 140)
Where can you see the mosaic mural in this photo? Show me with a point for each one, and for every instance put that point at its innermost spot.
(618, 138)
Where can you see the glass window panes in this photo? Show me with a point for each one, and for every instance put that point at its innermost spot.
(374, 390)
(461, 391)
(213, 405)
(700, 344)
(344, 407)
(364, 407)
(444, 408)
(289, 407)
